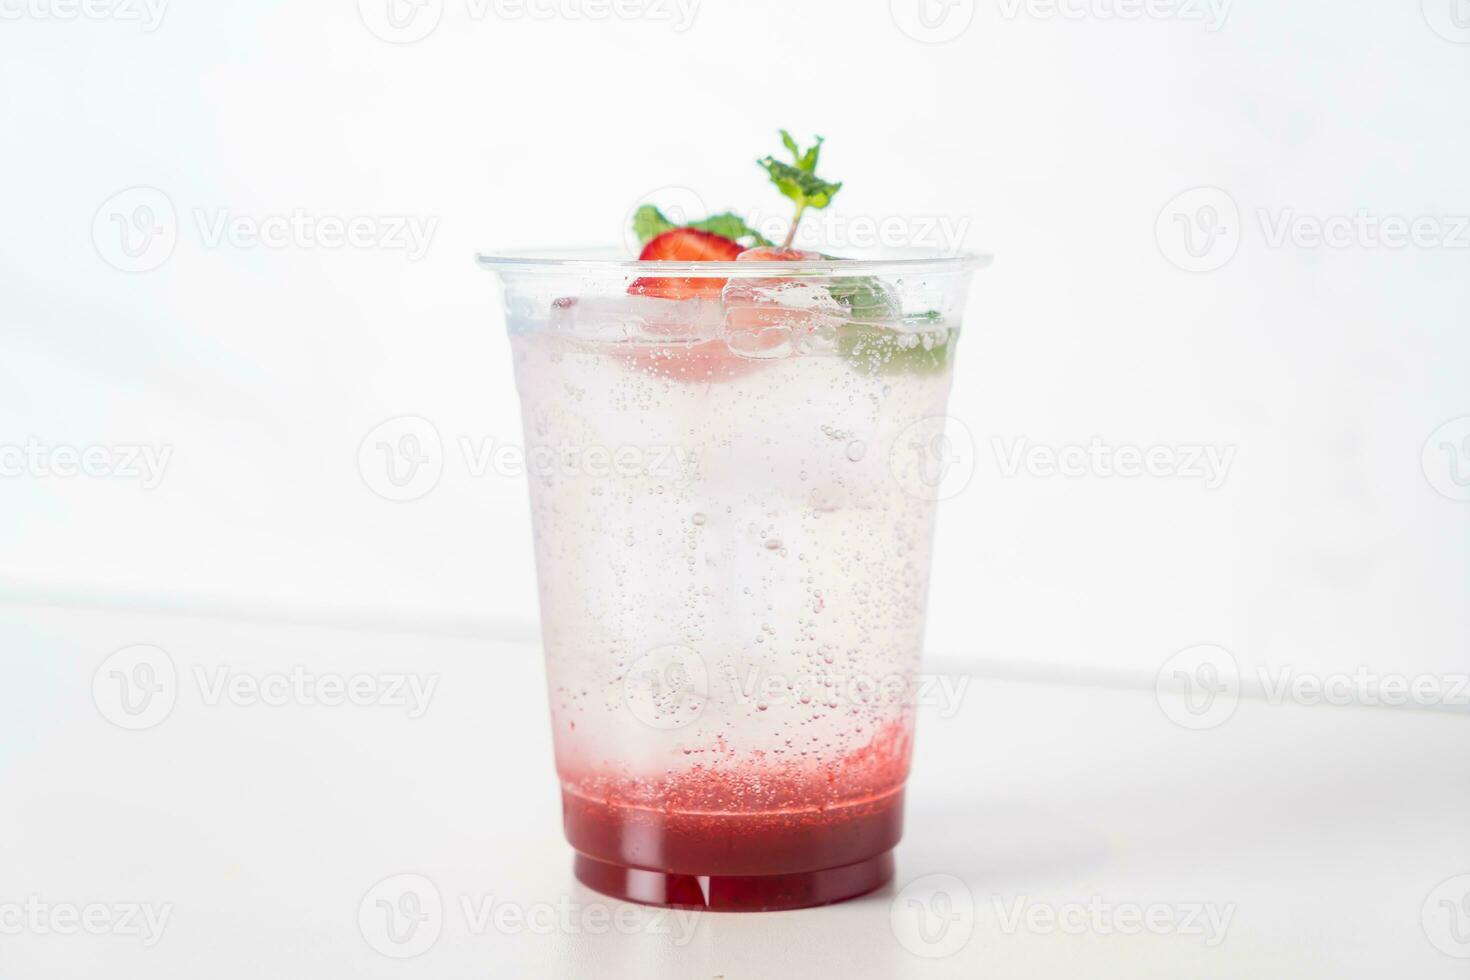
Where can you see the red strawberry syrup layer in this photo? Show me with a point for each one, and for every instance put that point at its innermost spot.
(743, 836)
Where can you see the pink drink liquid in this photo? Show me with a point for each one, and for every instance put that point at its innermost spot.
(732, 597)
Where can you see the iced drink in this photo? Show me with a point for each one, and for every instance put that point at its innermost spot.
(733, 515)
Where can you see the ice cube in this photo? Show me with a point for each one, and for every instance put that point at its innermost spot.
(772, 318)
(640, 319)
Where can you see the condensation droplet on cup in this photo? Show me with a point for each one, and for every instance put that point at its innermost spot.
(773, 544)
(856, 450)
(698, 520)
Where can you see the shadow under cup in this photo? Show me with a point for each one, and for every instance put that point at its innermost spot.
(733, 469)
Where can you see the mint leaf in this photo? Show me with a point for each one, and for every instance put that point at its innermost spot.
(731, 226)
(790, 144)
(873, 349)
(649, 222)
(802, 186)
(798, 180)
(865, 297)
(804, 161)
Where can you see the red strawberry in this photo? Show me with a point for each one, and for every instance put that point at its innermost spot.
(685, 245)
(690, 245)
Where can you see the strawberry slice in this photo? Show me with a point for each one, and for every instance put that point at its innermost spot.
(685, 245)
(690, 245)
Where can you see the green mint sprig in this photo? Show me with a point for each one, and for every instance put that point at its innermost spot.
(649, 222)
(798, 180)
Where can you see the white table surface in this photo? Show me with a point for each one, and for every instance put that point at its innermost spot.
(1321, 832)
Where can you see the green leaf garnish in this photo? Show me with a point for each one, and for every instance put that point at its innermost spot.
(865, 297)
(649, 222)
(798, 180)
(874, 349)
(731, 226)
(805, 188)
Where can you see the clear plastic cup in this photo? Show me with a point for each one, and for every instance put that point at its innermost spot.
(732, 489)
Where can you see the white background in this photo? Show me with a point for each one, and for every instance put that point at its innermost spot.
(1058, 138)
